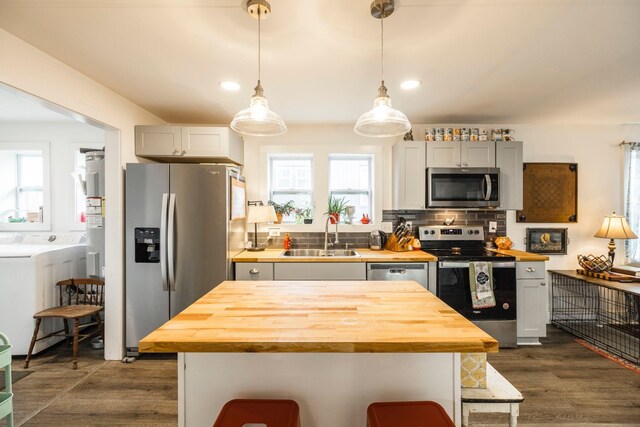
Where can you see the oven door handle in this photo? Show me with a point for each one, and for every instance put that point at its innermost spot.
(465, 264)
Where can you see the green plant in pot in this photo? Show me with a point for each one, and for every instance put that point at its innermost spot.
(336, 207)
(305, 215)
(282, 209)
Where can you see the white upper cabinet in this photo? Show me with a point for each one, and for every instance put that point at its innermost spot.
(189, 144)
(409, 175)
(509, 160)
(461, 154)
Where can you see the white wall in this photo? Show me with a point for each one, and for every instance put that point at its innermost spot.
(600, 180)
(31, 70)
(64, 139)
(320, 140)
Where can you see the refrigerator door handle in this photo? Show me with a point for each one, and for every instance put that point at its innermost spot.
(163, 241)
(171, 242)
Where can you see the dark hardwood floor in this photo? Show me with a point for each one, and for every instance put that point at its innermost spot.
(564, 384)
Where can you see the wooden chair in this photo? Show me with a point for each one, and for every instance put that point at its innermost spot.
(78, 298)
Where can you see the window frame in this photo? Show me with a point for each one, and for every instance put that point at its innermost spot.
(371, 183)
(45, 148)
(270, 173)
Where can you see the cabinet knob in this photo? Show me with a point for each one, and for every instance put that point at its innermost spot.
(458, 164)
(465, 164)
(531, 269)
(176, 151)
(254, 271)
(184, 152)
(543, 284)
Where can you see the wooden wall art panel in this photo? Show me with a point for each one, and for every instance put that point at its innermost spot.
(550, 193)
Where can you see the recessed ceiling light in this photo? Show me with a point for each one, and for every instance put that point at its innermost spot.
(410, 84)
(229, 85)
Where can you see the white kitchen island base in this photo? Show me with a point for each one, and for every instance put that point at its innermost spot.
(332, 389)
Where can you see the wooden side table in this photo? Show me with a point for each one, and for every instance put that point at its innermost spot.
(499, 396)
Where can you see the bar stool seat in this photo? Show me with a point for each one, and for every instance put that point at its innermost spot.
(407, 414)
(271, 412)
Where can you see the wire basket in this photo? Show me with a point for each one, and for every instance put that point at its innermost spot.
(596, 264)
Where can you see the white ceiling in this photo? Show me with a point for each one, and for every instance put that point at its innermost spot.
(480, 61)
(15, 107)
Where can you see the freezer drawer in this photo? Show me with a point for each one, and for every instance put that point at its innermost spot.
(418, 271)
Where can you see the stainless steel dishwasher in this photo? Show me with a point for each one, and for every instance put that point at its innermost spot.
(418, 271)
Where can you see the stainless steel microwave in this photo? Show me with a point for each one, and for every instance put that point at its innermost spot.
(463, 187)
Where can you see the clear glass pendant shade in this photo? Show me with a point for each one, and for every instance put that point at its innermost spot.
(258, 119)
(382, 120)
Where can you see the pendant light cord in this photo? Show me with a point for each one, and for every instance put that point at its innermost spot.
(382, 45)
(259, 19)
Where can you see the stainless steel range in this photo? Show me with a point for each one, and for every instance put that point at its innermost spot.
(458, 246)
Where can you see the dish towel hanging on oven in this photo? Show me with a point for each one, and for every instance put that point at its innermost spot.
(481, 283)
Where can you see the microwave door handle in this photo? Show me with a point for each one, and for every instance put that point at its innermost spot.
(487, 180)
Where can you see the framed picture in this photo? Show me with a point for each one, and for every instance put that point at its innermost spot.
(550, 193)
(549, 241)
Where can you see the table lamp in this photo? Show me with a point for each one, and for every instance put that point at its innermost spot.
(258, 213)
(615, 227)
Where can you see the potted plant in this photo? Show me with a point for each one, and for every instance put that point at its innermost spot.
(282, 209)
(305, 215)
(336, 207)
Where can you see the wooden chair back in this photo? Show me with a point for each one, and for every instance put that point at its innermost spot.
(82, 291)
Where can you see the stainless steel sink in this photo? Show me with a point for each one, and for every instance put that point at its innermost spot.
(320, 253)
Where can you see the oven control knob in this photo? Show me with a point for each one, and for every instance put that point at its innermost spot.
(470, 231)
(432, 232)
(505, 306)
(476, 232)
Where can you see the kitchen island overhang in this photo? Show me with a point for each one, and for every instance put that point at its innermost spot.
(334, 347)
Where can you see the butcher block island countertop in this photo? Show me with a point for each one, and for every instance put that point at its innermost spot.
(366, 255)
(319, 316)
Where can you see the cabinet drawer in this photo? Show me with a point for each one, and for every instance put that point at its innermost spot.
(254, 271)
(530, 270)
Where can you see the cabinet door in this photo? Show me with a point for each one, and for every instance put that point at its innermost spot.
(254, 271)
(409, 175)
(205, 141)
(320, 271)
(509, 160)
(478, 154)
(443, 154)
(158, 140)
(531, 308)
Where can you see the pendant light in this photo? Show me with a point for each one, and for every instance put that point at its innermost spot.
(258, 119)
(382, 120)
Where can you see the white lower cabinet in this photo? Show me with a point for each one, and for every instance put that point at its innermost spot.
(320, 271)
(254, 271)
(533, 301)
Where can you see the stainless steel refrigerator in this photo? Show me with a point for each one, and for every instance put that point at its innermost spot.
(184, 223)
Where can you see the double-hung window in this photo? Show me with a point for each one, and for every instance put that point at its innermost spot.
(291, 178)
(351, 178)
(632, 198)
(24, 186)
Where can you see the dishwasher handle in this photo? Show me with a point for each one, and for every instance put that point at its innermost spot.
(398, 270)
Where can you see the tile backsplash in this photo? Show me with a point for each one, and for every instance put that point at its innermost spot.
(303, 240)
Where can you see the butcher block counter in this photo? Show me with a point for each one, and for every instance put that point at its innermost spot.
(522, 255)
(318, 316)
(333, 347)
(366, 255)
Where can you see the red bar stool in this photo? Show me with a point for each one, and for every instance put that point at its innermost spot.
(271, 412)
(407, 414)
